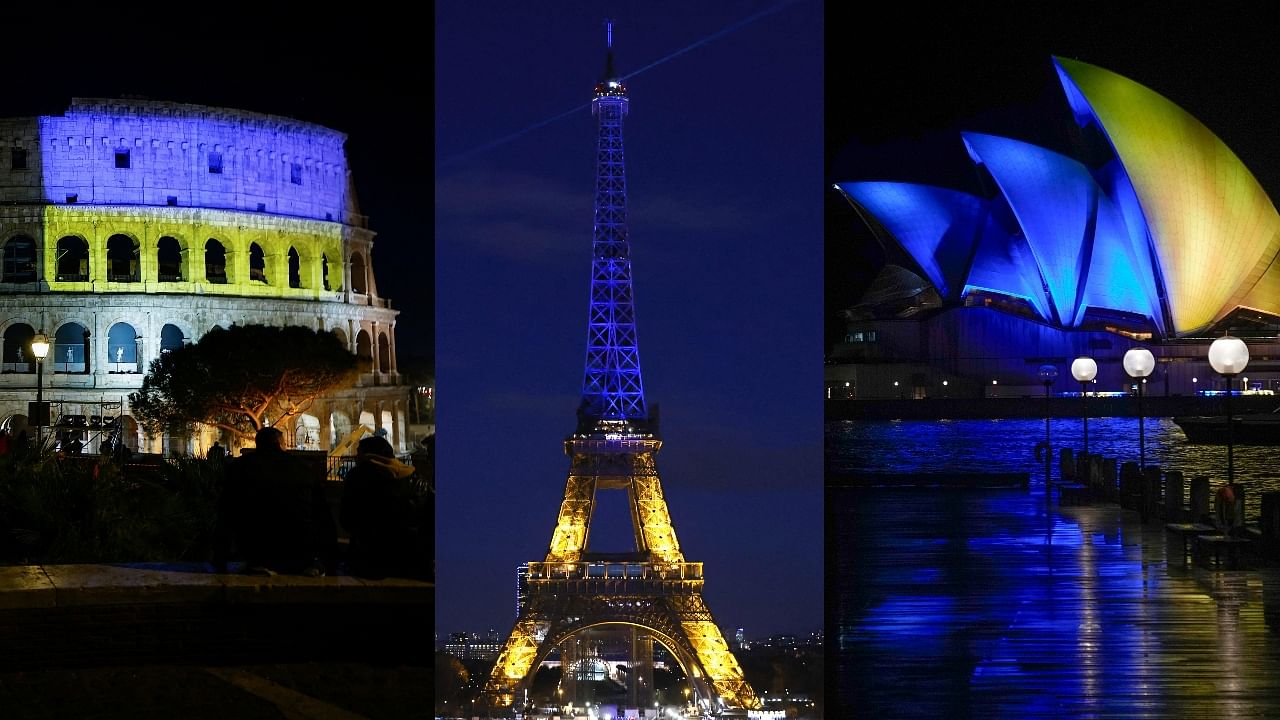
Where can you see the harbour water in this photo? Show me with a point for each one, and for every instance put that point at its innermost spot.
(1008, 445)
(995, 604)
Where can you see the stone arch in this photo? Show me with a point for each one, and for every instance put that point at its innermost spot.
(295, 268)
(359, 274)
(172, 337)
(306, 432)
(384, 353)
(339, 428)
(17, 348)
(257, 264)
(71, 259)
(129, 432)
(73, 338)
(122, 349)
(123, 262)
(19, 260)
(364, 351)
(366, 419)
(171, 260)
(215, 262)
(342, 337)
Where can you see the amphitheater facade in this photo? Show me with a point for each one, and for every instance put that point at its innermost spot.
(130, 227)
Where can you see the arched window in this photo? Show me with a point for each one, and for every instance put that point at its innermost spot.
(215, 262)
(168, 260)
(384, 353)
(358, 284)
(70, 353)
(324, 271)
(20, 259)
(122, 259)
(295, 269)
(364, 351)
(72, 260)
(17, 349)
(171, 338)
(257, 263)
(122, 349)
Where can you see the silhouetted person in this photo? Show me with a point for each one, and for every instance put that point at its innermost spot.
(216, 452)
(381, 514)
(272, 509)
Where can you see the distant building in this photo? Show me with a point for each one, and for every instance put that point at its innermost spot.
(472, 646)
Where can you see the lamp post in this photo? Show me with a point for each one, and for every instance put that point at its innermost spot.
(40, 348)
(1084, 370)
(1138, 363)
(1229, 355)
(1048, 373)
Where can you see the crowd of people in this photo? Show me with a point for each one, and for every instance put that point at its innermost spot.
(274, 514)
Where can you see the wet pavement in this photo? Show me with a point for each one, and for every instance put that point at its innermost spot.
(981, 604)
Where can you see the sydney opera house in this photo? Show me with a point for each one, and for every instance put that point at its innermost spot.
(1152, 232)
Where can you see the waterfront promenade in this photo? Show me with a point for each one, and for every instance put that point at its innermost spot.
(988, 604)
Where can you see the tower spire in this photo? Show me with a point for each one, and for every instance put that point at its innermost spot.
(609, 73)
(612, 389)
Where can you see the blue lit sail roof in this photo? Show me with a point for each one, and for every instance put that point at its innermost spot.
(1173, 228)
(954, 238)
(1079, 237)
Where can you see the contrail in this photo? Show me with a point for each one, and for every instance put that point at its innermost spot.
(468, 154)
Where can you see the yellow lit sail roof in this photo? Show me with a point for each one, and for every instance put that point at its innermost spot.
(1214, 230)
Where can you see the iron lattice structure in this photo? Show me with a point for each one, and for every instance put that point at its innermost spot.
(652, 590)
(611, 385)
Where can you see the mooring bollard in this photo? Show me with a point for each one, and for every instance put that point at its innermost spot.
(1149, 492)
(1109, 477)
(1095, 475)
(1066, 466)
(1199, 499)
(1173, 493)
(1271, 522)
(1130, 477)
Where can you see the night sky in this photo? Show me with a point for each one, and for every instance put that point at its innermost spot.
(724, 162)
(378, 93)
(986, 67)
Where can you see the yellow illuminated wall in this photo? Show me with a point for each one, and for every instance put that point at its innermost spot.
(192, 229)
(1214, 229)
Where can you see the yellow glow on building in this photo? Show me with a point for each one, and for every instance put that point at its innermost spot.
(721, 666)
(1214, 228)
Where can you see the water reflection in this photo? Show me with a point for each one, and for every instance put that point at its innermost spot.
(989, 604)
(1008, 445)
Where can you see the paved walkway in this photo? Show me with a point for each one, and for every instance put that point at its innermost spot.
(979, 604)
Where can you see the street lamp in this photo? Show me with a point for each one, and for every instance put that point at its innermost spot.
(39, 348)
(1138, 363)
(1084, 370)
(1229, 355)
(1048, 373)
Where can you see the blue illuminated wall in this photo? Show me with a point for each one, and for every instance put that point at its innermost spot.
(136, 152)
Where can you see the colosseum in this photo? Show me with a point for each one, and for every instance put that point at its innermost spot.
(131, 227)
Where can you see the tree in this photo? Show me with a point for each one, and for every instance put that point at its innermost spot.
(242, 378)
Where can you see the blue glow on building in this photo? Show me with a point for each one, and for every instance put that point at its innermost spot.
(611, 388)
(937, 226)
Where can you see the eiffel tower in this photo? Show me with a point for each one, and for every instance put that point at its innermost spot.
(653, 593)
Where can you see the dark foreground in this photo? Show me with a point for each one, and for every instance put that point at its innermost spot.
(335, 691)
(979, 604)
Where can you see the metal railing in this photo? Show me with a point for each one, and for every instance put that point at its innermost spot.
(615, 571)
